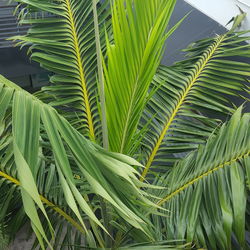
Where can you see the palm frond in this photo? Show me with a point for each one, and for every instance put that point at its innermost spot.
(8, 211)
(67, 228)
(192, 98)
(132, 59)
(206, 192)
(63, 42)
(108, 175)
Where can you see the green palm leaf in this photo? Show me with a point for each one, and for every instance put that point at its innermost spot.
(63, 42)
(189, 96)
(108, 175)
(207, 191)
(132, 59)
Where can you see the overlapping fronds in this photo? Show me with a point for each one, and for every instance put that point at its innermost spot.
(207, 191)
(76, 194)
(8, 211)
(63, 42)
(132, 59)
(189, 96)
(107, 175)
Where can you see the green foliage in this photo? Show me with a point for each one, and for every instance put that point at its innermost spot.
(64, 43)
(136, 50)
(31, 120)
(176, 125)
(207, 189)
(192, 98)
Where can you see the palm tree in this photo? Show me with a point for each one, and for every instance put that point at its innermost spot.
(118, 151)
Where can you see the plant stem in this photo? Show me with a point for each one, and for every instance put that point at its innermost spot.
(101, 78)
(103, 113)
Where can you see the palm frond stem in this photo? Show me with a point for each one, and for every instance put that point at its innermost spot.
(193, 80)
(48, 203)
(101, 78)
(81, 72)
(211, 171)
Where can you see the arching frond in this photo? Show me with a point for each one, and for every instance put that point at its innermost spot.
(189, 96)
(132, 59)
(108, 175)
(63, 42)
(68, 231)
(207, 191)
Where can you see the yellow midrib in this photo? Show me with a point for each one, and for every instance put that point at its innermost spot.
(185, 186)
(169, 122)
(48, 203)
(80, 68)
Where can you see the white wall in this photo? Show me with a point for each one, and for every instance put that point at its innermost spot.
(223, 10)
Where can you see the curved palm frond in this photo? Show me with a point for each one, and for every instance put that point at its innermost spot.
(63, 42)
(206, 192)
(189, 96)
(132, 59)
(108, 175)
(48, 184)
(68, 231)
